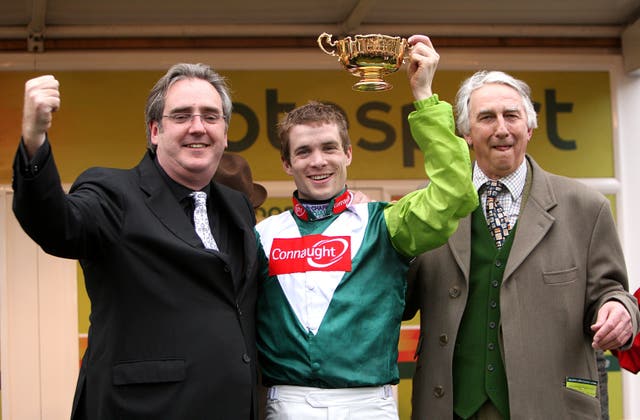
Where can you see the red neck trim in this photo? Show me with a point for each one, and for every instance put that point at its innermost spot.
(340, 204)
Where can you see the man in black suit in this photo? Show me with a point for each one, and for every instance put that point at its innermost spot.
(172, 320)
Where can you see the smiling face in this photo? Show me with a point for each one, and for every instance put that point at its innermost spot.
(498, 129)
(190, 152)
(318, 163)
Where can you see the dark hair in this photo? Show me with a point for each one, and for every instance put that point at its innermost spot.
(312, 113)
(155, 100)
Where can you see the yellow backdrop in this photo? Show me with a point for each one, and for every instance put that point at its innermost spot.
(101, 123)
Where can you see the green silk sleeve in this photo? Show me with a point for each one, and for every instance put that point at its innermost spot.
(424, 219)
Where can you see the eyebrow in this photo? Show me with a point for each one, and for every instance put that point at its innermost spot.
(323, 144)
(506, 110)
(189, 109)
(516, 109)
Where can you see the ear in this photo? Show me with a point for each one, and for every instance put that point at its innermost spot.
(154, 129)
(226, 140)
(469, 141)
(349, 153)
(529, 134)
(286, 165)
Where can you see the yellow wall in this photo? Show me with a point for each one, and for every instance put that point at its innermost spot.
(101, 119)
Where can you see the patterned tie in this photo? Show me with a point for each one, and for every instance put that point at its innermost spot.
(496, 218)
(201, 220)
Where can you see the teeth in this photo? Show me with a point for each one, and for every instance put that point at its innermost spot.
(319, 177)
(196, 146)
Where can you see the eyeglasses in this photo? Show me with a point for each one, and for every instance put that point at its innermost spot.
(185, 117)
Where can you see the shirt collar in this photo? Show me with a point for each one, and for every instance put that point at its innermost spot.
(179, 191)
(514, 181)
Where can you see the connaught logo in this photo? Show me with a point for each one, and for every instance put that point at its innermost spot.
(310, 253)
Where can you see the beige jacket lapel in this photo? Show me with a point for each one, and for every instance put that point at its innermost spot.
(534, 221)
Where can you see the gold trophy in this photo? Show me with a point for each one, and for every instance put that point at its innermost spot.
(369, 57)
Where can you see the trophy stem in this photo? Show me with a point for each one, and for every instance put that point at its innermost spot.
(371, 80)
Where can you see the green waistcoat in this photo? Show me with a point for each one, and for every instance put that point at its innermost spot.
(478, 370)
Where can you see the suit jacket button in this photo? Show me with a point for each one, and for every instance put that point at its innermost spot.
(438, 392)
(246, 358)
(444, 339)
(454, 292)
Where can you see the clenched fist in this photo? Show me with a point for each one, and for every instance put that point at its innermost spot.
(41, 100)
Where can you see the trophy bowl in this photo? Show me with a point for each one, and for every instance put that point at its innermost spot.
(369, 57)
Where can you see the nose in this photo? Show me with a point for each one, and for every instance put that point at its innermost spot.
(318, 158)
(501, 127)
(196, 124)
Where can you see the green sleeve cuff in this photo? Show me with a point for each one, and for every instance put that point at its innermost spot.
(424, 103)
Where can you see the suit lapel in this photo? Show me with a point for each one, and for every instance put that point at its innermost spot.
(460, 244)
(534, 221)
(248, 237)
(163, 204)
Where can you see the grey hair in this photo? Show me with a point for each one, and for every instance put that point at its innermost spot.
(482, 78)
(156, 99)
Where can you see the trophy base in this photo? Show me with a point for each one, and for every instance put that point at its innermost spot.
(371, 78)
(371, 85)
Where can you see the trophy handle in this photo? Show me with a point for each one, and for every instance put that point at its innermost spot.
(406, 49)
(327, 36)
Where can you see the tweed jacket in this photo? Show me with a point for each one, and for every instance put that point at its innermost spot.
(565, 263)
